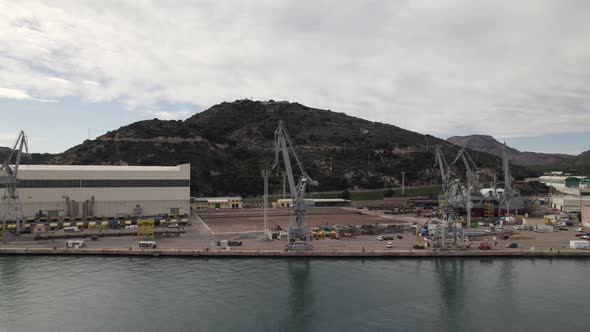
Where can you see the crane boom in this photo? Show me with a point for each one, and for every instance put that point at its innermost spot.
(11, 206)
(298, 235)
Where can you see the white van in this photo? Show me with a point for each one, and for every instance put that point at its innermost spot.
(147, 244)
(76, 244)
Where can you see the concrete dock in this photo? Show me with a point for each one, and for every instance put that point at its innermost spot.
(171, 252)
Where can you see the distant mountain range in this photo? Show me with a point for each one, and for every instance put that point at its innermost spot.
(231, 142)
(485, 143)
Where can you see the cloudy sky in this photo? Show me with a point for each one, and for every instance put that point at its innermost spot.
(517, 70)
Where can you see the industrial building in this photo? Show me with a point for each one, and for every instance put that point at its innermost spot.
(79, 191)
(202, 203)
(316, 202)
(569, 193)
(586, 215)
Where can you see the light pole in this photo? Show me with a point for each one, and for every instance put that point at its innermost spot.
(265, 174)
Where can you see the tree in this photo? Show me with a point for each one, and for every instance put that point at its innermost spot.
(389, 193)
(345, 194)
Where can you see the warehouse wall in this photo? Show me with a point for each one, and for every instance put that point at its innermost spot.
(586, 215)
(111, 208)
(111, 201)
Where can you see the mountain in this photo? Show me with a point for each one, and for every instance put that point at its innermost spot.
(32, 158)
(579, 165)
(229, 143)
(489, 144)
(4, 152)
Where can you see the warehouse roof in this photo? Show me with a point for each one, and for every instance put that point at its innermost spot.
(97, 168)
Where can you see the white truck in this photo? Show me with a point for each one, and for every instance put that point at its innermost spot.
(579, 244)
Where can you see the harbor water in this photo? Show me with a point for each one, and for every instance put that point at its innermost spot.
(175, 294)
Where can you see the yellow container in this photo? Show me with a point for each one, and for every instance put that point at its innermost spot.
(53, 225)
(104, 224)
(127, 222)
(67, 224)
(80, 224)
(92, 224)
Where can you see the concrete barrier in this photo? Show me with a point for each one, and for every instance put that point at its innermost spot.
(261, 253)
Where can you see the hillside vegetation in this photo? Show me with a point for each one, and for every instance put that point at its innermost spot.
(228, 145)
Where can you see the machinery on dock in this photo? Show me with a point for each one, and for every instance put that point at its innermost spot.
(298, 234)
(11, 205)
(419, 239)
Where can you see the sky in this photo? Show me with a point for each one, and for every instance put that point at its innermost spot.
(516, 70)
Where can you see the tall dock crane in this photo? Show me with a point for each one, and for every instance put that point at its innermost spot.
(298, 235)
(508, 192)
(452, 198)
(472, 176)
(11, 205)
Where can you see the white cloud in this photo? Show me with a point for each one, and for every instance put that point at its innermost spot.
(444, 67)
(6, 93)
(169, 115)
(13, 94)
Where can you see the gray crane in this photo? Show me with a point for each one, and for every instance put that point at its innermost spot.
(472, 172)
(472, 176)
(452, 198)
(12, 208)
(298, 235)
(508, 192)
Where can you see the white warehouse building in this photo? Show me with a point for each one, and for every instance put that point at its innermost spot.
(79, 191)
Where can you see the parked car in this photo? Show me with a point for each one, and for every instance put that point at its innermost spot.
(512, 245)
(389, 245)
(563, 229)
(379, 238)
(400, 237)
(585, 237)
(518, 227)
(485, 246)
(504, 237)
(579, 229)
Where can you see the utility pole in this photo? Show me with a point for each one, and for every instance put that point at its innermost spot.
(403, 183)
(265, 174)
(469, 204)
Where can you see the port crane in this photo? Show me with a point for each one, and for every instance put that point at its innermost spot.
(452, 198)
(11, 205)
(298, 235)
(472, 176)
(471, 170)
(508, 192)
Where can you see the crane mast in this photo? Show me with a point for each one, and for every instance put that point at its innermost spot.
(472, 176)
(508, 192)
(298, 235)
(452, 198)
(11, 205)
